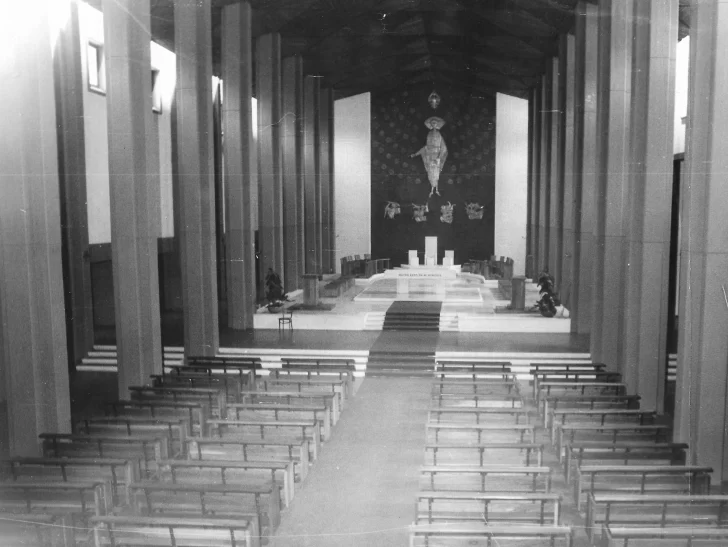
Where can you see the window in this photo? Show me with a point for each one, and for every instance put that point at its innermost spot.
(156, 94)
(96, 68)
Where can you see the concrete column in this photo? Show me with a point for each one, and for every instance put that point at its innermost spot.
(535, 179)
(613, 126)
(292, 145)
(193, 46)
(702, 374)
(311, 156)
(650, 200)
(544, 215)
(326, 113)
(33, 356)
(72, 178)
(558, 134)
(567, 262)
(134, 189)
(270, 196)
(585, 132)
(241, 163)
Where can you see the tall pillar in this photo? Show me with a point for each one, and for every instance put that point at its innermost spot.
(241, 173)
(650, 200)
(270, 196)
(613, 123)
(326, 112)
(134, 191)
(311, 96)
(556, 211)
(33, 357)
(72, 178)
(567, 250)
(292, 145)
(702, 374)
(544, 215)
(585, 133)
(193, 46)
(535, 179)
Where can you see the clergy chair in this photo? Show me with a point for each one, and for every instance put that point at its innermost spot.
(286, 318)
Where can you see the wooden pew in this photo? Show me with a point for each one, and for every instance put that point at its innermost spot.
(313, 372)
(209, 500)
(177, 429)
(525, 508)
(564, 387)
(658, 510)
(478, 415)
(320, 363)
(321, 413)
(504, 535)
(230, 383)
(573, 376)
(36, 530)
(116, 531)
(330, 400)
(477, 387)
(478, 454)
(296, 452)
(81, 500)
(216, 398)
(675, 479)
(231, 472)
(600, 416)
(148, 449)
(664, 537)
(118, 472)
(626, 453)
(340, 388)
(503, 432)
(609, 432)
(196, 413)
(474, 375)
(486, 478)
(296, 430)
(591, 402)
(539, 367)
(443, 365)
(514, 400)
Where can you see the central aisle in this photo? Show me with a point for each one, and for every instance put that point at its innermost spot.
(361, 490)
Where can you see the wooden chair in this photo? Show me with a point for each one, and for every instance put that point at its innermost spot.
(286, 318)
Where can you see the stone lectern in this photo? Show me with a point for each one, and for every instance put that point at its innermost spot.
(311, 289)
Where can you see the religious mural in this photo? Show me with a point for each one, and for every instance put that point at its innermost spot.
(455, 178)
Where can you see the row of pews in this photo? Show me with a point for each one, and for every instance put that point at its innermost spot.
(494, 442)
(629, 480)
(484, 481)
(208, 453)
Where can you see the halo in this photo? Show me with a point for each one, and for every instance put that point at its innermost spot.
(434, 122)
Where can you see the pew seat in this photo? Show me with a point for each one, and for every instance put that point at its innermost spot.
(483, 453)
(457, 432)
(601, 416)
(176, 429)
(196, 413)
(296, 452)
(443, 400)
(574, 401)
(664, 537)
(36, 530)
(251, 411)
(669, 479)
(468, 414)
(216, 398)
(524, 508)
(330, 400)
(161, 531)
(442, 365)
(657, 510)
(569, 433)
(503, 535)
(78, 499)
(485, 478)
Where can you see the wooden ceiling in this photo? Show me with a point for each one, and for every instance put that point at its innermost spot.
(485, 46)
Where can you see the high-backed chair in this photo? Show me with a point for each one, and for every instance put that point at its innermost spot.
(413, 260)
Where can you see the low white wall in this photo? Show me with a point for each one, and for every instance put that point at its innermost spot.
(511, 179)
(352, 176)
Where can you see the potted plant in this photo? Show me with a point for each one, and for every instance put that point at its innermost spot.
(549, 300)
(274, 293)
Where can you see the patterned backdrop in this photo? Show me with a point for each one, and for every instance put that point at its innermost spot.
(468, 176)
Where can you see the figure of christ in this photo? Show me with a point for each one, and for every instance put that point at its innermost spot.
(434, 153)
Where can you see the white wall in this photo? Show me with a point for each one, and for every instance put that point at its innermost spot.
(681, 93)
(511, 179)
(91, 28)
(352, 176)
